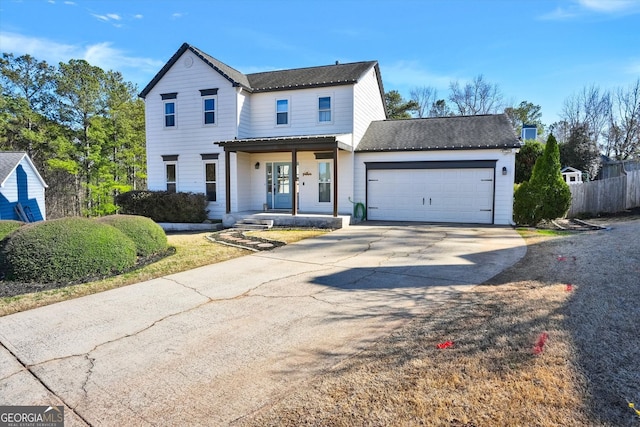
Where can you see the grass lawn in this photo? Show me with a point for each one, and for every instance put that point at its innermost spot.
(191, 250)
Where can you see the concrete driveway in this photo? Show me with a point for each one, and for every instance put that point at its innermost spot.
(210, 345)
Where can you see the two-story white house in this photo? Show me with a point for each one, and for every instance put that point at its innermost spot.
(317, 140)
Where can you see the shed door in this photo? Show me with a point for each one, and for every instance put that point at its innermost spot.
(431, 195)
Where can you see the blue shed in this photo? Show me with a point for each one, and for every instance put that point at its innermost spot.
(21, 188)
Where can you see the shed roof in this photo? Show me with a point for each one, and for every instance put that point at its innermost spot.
(9, 161)
(440, 133)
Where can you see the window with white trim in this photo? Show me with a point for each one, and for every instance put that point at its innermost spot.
(169, 108)
(324, 109)
(282, 112)
(169, 114)
(209, 108)
(171, 176)
(324, 182)
(210, 180)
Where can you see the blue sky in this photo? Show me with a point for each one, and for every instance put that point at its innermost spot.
(541, 51)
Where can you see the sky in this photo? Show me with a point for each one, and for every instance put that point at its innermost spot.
(539, 51)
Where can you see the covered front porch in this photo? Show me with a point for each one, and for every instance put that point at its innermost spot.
(288, 177)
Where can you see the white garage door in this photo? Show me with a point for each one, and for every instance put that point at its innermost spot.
(431, 195)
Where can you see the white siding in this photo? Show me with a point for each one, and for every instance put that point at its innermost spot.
(190, 137)
(368, 105)
(303, 112)
(244, 114)
(503, 213)
(35, 192)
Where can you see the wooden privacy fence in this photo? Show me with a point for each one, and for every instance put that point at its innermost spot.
(606, 195)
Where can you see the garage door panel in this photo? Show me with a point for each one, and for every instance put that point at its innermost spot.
(432, 195)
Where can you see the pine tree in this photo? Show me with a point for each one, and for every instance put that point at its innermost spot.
(546, 195)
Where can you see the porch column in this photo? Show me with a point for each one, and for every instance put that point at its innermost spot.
(227, 179)
(294, 174)
(335, 181)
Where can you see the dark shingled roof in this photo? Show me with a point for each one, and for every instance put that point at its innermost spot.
(329, 75)
(337, 74)
(8, 162)
(440, 133)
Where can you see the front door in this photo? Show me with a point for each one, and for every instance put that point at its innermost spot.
(279, 185)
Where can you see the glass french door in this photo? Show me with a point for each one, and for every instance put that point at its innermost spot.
(279, 185)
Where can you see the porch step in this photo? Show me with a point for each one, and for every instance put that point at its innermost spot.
(253, 224)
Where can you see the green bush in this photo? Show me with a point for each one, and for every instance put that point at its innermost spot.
(8, 226)
(148, 236)
(162, 206)
(546, 195)
(66, 250)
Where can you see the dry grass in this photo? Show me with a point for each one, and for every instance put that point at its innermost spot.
(287, 235)
(192, 250)
(491, 376)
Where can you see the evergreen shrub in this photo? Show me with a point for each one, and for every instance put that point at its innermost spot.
(66, 250)
(546, 195)
(162, 206)
(8, 226)
(148, 236)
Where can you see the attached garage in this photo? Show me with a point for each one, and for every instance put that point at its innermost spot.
(431, 191)
(446, 169)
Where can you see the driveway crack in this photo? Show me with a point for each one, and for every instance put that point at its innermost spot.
(27, 368)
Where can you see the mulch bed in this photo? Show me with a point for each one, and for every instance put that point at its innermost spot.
(238, 238)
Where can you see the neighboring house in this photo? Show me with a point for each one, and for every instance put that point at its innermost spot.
(212, 129)
(21, 188)
(571, 175)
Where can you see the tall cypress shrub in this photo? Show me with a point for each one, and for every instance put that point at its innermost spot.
(546, 195)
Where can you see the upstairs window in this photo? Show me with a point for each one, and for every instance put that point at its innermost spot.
(169, 114)
(282, 112)
(324, 109)
(209, 105)
(169, 105)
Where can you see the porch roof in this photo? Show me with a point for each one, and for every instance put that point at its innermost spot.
(285, 143)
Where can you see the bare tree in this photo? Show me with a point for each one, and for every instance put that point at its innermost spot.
(425, 97)
(590, 107)
(623, 137)
(477, 97)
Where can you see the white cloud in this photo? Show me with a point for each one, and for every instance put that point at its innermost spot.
(114, 16)
(633, 68)
(70, 3)
(177, 15)
(610, 6)
(404, 75)
(560, 14)
(584, 7)
(103, 18)
(104, 55)
(138, 16)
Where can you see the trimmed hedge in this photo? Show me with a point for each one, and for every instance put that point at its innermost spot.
(148, 236)
(8, 226)
(162, 206)
(66, 250)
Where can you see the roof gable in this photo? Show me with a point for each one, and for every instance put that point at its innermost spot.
(440, 133)
(329, 75)
(9, 161)
(235, 77)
